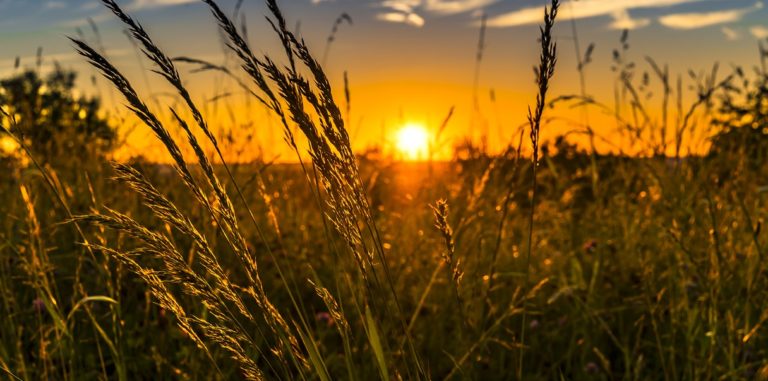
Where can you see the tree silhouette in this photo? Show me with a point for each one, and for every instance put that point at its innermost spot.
(55, 123)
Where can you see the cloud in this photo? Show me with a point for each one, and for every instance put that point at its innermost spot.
(410, 11)
(622, 20)
(402, 6)
(704, 19)
(104, 15)
(759, 31)
(400, 17)
(150, 4)
(583, 9)
(55, 5)
(401, 11)
(730, 34)
(455, 6)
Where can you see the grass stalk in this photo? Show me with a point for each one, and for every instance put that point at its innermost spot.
(544, 74)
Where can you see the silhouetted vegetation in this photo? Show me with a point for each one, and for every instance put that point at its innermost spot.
(53, 121)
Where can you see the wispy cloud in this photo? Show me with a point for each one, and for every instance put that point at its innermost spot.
(455, 6)
(700, 20)
(759, 31)
(403, 6)
(149, 4)
(411, 11)
(104, 14)
(55, 5)
(730, 33)
(400, 17)
(622, 20)
(586, 9)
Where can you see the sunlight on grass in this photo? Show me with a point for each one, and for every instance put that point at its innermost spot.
(7, 146)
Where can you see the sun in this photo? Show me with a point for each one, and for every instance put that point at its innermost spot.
(413, 141)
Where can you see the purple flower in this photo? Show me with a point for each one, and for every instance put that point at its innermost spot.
(534, 324)
(591, 368)
(324, 317)
(38, 305)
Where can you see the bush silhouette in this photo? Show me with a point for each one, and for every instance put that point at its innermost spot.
(743, 119)
(57, 125)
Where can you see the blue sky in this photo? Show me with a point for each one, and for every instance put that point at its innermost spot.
(675, 14)
(418, 27)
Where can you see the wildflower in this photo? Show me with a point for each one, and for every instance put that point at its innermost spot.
(591, 368)
(324, 317)
(590, 246)
(38, 305)
(534, 324)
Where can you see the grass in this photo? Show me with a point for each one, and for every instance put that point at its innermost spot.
(490, 267)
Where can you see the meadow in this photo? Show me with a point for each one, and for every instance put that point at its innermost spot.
(548, 260)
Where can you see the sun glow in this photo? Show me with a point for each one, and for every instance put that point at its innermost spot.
(413, 141)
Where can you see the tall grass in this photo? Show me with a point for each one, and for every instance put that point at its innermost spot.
(55, 360)
(285, 91)
(342, 268)
(544, 73)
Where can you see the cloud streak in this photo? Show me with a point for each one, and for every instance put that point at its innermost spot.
(622, 20)
(759, 31)
(404, 18)
(134, 6)
(410, 11)
(55, 5)
(697, 20)
(587, 9)
(455, 6)
(730, 33)
(150, 4)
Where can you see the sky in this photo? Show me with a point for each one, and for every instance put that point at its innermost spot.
(408, 61)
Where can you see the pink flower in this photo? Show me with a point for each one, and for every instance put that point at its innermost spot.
(324, 317)
(591, 368)
(39, 305)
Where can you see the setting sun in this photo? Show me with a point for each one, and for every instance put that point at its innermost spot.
(413, 141)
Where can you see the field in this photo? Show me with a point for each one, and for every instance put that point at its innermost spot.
(548, 260)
